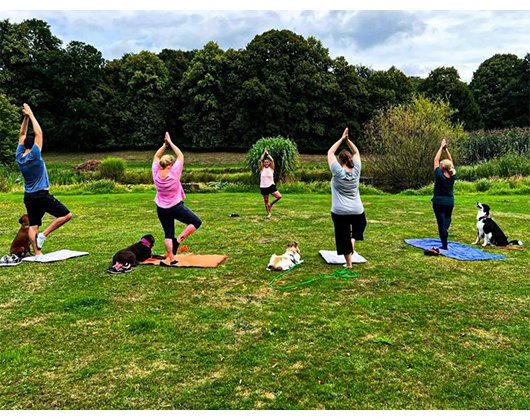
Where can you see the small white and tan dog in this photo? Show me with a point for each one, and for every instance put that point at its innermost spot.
(287, 260)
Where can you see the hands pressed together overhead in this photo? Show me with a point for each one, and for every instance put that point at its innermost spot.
(345, 134)
(26, 110)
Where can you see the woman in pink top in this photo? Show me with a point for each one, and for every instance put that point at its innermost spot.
(266, 184)
(169, 198)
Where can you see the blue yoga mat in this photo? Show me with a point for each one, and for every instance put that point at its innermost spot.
(456, 250)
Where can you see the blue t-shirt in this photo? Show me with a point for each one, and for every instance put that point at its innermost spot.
(33, 169)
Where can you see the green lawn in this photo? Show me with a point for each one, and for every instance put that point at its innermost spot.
(411, 332)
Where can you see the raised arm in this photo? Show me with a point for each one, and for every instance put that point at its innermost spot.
(333, 149)
(438, 155)
(448, 154)
(272, 161)
(267, 155)
(35, 124)
(178, 154)
(354, 149)
(23, 130)
(160, 152)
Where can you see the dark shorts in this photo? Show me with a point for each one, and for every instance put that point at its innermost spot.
(348, 227)
(41, 202)
(178, 212)
(268, 190)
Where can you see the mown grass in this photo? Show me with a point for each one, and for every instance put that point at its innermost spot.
(411, 332)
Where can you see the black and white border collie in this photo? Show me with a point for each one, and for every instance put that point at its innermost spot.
(489, 231)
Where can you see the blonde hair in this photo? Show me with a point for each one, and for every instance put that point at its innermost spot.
(448, 166)
(166, 160)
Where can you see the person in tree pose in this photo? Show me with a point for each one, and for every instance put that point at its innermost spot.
(37, 197)
(167, 171)
(267, 186)
(443, 200)
(347, 210)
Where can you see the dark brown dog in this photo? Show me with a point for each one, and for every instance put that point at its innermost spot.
(21, 243)
(136, 253)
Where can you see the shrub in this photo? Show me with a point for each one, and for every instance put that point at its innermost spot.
(311, 175)
(4, 186)
(112, 168)
(64, 176)
(483, 185)
(144, 176)
(405, 139)
(102, 186)
(283, 151)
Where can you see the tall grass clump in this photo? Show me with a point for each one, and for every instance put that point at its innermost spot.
(283, 151)
(481, 146)
(503, 166)
(112, 168)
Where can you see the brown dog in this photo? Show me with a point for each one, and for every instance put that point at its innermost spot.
(123, 261)
(20, 245)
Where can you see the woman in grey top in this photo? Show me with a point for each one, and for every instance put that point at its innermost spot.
(347, 210)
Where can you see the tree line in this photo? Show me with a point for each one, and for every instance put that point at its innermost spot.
(280, 84)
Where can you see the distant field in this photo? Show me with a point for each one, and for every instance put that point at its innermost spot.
(140, 156)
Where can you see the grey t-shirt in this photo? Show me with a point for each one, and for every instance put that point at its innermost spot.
(345, 197)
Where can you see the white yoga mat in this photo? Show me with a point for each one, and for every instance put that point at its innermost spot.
(63, 254)
(331, 257)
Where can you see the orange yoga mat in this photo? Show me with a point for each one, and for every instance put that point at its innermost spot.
(191, 260)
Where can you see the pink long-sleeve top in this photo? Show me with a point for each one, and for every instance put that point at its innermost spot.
(169, 191)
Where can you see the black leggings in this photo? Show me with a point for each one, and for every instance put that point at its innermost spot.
(443, 218)
(178, 212)
(348, 227)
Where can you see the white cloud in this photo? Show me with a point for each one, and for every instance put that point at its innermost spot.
(415, 41)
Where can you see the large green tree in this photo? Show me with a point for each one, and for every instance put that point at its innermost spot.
(176, 62)
(134, 100)
(10, 117)
(27, 53)
(349, 102)
(292, 88)
(387, 88)
(444, 83)
(500, 87)
(74, 77)
(202, 89)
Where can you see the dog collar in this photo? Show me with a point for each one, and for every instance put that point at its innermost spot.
(146, 242)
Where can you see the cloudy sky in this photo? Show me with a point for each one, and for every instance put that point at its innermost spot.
(375, 34)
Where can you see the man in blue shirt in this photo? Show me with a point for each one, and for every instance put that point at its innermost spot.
(37, 197)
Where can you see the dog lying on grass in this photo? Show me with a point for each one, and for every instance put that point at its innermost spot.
(287, 260)
(124, 261)
(21, 244)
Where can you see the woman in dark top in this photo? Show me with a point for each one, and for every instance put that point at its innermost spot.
(443, 200)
